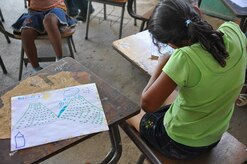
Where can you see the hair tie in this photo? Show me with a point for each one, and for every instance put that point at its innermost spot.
(187, 22)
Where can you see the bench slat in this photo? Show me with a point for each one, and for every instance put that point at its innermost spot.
(228, 151)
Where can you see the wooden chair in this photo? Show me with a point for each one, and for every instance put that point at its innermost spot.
(144, 18)
(23, 60)
(131, 8)
(119, 3)
(228, 150)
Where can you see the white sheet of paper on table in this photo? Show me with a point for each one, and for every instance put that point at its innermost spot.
(164, 50)
(146, 37)
(241, 3)
(56, 115)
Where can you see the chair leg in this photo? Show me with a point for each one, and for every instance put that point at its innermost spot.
(21, 63)
(88, 18)
(142, 25)
(141, 159)
(25, 3)
(3, 66)
(121, 21)
(135, 22)
(1, 24)
(73, 44)
(105, 11)
(1, 16)
(70, 47)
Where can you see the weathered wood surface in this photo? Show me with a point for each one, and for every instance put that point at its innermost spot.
(116, 106)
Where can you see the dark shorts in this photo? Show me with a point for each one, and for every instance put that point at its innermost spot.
(34, 20)
(153, 132)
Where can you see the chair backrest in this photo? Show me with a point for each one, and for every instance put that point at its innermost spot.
(132, 13)
(146, 16)
(6, 33)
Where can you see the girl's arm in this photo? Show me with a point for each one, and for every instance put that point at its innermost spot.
(159, 87)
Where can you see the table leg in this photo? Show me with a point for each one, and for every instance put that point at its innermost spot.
(3, 66)
(243, 24)
(116, 151)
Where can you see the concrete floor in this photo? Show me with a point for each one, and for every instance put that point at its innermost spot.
(98, 55)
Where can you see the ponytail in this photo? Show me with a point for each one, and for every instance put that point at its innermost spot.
(212, 40)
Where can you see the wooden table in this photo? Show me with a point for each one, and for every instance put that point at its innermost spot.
(137, 49)
(116, 107)
(240, 12)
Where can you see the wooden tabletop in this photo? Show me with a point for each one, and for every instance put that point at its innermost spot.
(137, 49)
(116, 107)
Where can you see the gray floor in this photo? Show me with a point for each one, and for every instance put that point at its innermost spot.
(98, 55)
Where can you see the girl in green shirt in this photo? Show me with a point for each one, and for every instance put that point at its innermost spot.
(208, 70)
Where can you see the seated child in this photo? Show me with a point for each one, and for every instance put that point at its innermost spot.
(43, 17)
(207, 69)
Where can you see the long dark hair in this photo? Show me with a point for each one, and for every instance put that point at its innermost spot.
(176, 22)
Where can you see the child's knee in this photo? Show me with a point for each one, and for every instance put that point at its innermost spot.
(50, 20)
(28, 33)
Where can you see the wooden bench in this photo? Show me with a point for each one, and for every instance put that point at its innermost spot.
(228, 151)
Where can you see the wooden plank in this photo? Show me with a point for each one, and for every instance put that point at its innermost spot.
(228, 151)
(137, 50)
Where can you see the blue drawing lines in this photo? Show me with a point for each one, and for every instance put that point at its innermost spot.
(61, 111)
(36, 114)
(82, 111)
(19, 140)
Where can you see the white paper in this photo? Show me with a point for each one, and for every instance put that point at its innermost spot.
(56, 115)
(164, 50)
(241, 3)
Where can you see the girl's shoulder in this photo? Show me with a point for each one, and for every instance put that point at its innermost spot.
(230, 25)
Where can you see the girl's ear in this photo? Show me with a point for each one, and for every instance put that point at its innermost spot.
(197, 9)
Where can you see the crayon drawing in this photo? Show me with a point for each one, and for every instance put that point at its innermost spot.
(56, 115)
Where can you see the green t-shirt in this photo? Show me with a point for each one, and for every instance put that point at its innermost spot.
(207, 92)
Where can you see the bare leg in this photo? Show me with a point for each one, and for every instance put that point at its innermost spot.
(54, 35)
(28, 36)
(135, 121)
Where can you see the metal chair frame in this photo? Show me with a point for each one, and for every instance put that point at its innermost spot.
(1, 24)
(131, 8)
(25, 61)
(3, 66)
(8, 40)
